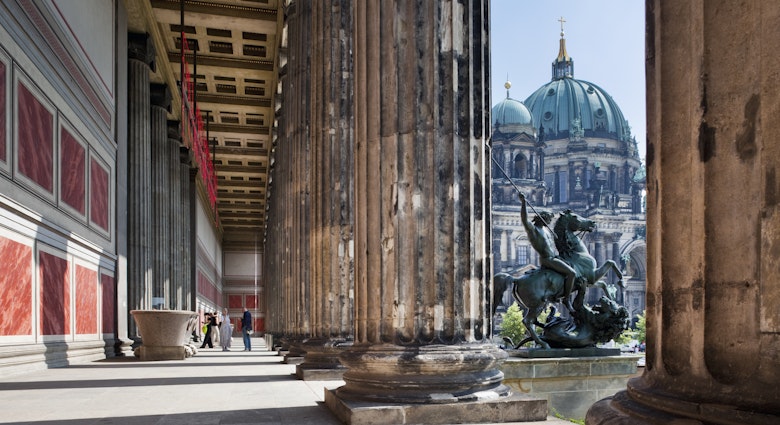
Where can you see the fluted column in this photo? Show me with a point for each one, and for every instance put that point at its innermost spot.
(161, 205)
(331, 176)
(713, 218)
(421, 223)
(179, 290)
(292, 180)
(186, 225)
(139, 270)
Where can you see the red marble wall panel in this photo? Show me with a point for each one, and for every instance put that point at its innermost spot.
(207, 289)
(259, 324)
(55, 294)
(109, 301)
(86, 301)
(251, 302)
(15, 287)
(234, 301)
(3, 117)
(35, 139)
(98, 195)
(72, 171)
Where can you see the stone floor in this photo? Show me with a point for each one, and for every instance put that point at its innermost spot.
(214, 387)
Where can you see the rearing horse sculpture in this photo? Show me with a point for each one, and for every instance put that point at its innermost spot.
(539, 287)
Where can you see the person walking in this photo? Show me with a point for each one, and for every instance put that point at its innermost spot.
(211, 324)
(246, 327)
(225, 331)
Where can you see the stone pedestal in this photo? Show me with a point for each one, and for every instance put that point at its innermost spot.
(321, 362)
(570, 385)
(164, 333)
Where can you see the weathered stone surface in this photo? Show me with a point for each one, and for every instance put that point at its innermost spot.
(712, 225)
(515, 408)
(164, 333)
(570, 385)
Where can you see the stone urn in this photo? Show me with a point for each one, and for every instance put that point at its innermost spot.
(164, 333)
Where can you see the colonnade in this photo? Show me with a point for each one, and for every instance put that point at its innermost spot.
(159, 230)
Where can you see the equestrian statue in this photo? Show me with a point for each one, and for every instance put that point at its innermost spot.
(566, 266)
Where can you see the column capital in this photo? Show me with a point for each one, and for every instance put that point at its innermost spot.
(140, 48)
(160, 96)
(174, 130)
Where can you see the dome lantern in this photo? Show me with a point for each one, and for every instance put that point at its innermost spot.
(563, 65)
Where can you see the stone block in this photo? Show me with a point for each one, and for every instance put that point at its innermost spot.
(514, 408)
(571, 385)
(307, 374)
(573, 404)
(560, 385)
(553, 369)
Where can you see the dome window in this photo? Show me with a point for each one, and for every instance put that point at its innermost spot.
(548, 115)
(590, 90)
(550, 92)
(599, 112)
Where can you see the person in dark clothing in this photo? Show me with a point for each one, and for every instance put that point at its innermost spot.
(246, 327)
(211, 321)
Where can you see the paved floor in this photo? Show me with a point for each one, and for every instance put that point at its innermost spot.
(214, 387)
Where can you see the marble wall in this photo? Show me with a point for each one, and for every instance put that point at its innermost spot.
(108, 303)
(54, 276)
(72, 171)
(3, 132)
(99, 195)
(35, 139)
(15, 287)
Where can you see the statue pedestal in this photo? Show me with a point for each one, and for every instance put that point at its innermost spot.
(539, 353)
(163, 333)
(570, 385)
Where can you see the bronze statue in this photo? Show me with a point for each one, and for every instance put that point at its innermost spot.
(537, 288)
(601, 323)
(543, 241)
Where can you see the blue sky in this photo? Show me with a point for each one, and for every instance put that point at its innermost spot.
(604, 37)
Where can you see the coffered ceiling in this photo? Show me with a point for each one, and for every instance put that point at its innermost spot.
(236, 43)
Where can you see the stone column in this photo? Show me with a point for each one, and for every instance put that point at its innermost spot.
(186, 226)
(332, 195)
(139, 271)
(421, 220)
(713, 218)
(161, 202)
(289, 278)
(178, 294)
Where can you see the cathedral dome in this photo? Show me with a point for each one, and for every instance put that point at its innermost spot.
(567, 105)
(511, 112)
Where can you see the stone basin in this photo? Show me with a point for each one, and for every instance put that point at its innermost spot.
(164, 333)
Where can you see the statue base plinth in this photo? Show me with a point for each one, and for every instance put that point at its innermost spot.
(541, 353)
(570, 385)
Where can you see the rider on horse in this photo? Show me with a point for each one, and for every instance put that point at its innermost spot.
(543, 241)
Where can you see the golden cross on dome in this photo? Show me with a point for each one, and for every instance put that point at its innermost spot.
(561, 20)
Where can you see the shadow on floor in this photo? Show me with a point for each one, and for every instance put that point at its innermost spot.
(311, 415)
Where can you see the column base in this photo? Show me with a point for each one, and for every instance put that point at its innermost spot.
(513, 408)
(289, 359)
(321, 362)
(332, 374)
(642, 407)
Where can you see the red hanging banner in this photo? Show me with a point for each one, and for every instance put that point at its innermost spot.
(193, 133)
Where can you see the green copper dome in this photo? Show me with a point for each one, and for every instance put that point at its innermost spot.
(568, 105)
(511, 112)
